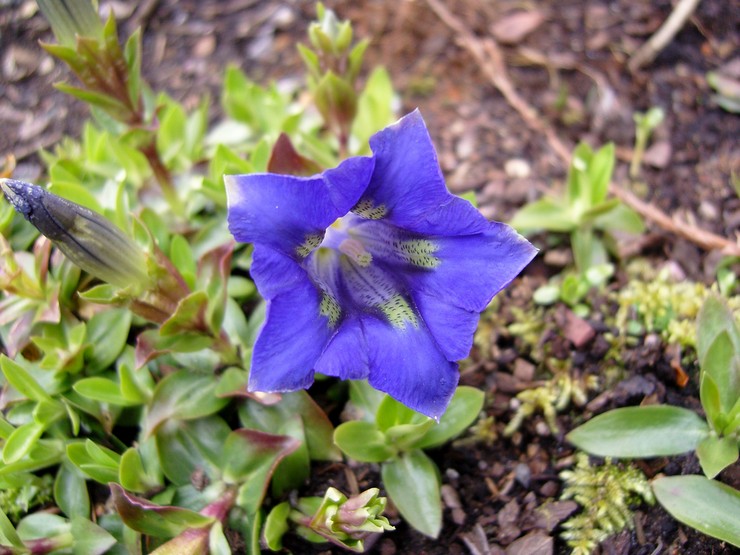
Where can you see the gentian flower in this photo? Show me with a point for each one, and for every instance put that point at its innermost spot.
(371, 270)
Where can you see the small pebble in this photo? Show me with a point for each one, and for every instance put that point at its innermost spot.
(517, 168)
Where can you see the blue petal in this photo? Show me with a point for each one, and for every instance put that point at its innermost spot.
(285, 212)
(292, 340)
(408, 366)
(474, 268)
(346, 355)
(274, 273)
(408, 183)
(452, 327)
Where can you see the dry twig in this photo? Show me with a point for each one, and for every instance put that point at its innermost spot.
(648, 51)
(490, 59)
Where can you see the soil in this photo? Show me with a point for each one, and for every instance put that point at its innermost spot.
(571, 67)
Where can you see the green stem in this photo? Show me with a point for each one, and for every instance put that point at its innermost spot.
(163, 177)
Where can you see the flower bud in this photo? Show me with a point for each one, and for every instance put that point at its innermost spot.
(348, 521)
(88, 239)
(71, 18)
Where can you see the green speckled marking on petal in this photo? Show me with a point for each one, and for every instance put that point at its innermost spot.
(309, 244)
(418, 252)
(399, 312)
(329, 307)
(366, 209)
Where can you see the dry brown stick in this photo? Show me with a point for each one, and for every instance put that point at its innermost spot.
(648, 51)
(488, 55)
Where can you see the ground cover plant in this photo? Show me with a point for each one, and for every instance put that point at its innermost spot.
(186, 280)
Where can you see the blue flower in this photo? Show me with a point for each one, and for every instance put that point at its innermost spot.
(371, 270)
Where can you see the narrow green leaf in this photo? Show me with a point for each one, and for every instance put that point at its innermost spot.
(707, 505)
(639, 432)
(362, 441)
(412, 483)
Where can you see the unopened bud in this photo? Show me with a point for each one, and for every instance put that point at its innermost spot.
(88, 239)
(348, 521)
(71, 18)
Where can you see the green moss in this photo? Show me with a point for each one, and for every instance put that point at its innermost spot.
(606, 493)
(18, 498)
(655, 303)
(554, 396)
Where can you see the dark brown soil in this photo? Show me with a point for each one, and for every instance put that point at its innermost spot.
(572, 69)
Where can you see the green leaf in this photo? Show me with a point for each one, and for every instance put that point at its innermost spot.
(8, 535)
(102, 390)
(639, 432)
(185, 446)
(722, 363)
(374, 108)
(295, 468)
(620, 218)
(100, 463)
(90, 539)
(412, 483)
(546, 213)
(42, 525)
(21, 441)
(362, 441)
(600, 172)
(70, 492)
(21, 380)
(392, 413)
(183, 396)
(716, 453)
(707, 505)
(276, 525)
(464, 407)
(107, 332)
(250, 458)
(43, 453)
(714, 318)
(132, 474)
(711, 402)
(152, 519)
(365, 399)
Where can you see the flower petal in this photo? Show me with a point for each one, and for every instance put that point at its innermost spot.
(407, 187)
(474, 268)
(288, 213)
(291, 341)
(346, 355)
(408, 366)
(452, 327)
(274, 273)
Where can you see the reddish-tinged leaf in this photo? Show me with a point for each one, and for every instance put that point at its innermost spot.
(286, 160)
(155, 520)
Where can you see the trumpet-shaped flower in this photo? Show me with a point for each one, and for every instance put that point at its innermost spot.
(371, 270)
